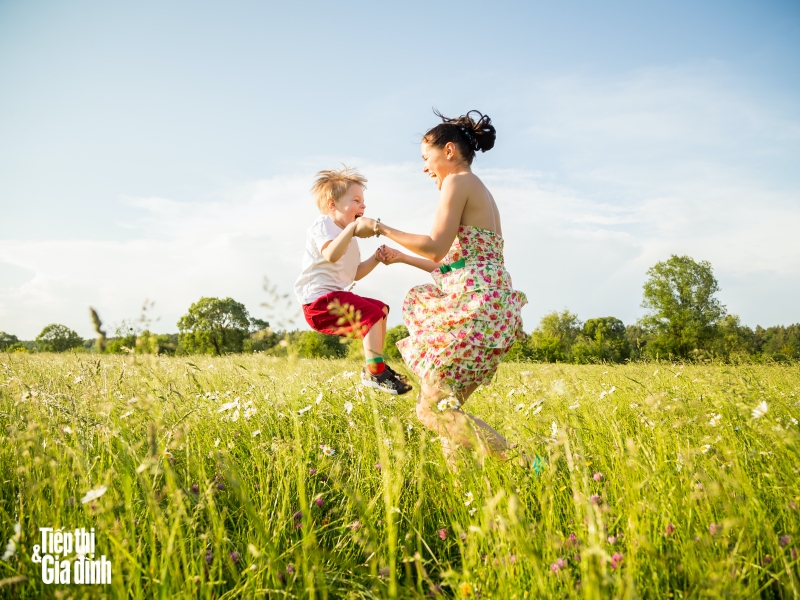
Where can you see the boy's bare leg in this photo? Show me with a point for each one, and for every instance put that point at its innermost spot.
(373, 341)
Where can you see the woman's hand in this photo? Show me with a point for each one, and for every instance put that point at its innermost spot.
(365, 227)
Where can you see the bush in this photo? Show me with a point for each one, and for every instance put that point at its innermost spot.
(312, 344)
(394, 335)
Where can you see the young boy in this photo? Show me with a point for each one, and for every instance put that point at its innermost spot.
(332, 262)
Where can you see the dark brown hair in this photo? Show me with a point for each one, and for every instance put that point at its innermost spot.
(468, 134)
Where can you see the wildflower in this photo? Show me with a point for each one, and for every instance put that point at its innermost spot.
(234, 556)
(216, 443)
(465, 589)
(766, 560)
(229, 405)
(555, 567)
(230, 445)
(472, 511)
(463, 536)
(616, 560)
(94, 494)
(195, 489)
(221, 486)
(597, 476)
(352, 424)
(68, 430)
(559, 387)
(442, 534)
(383, 572)
(304, 410)
(281, 577)
(794, 553)
(378, 466)
(714, 528)
(573, 406)
(537, 410)
(298, 515)
(452, 402)
(469, 498)
(319, 398)
(612, 539)
(572, 541)
(760, 410)
(347, 374)
(312, 471)
(348, 407)
(705, 448)
(209, 556)
(327, 450)
(249, 411)
(715, 419)
(595, 499)
(784, 541)
(235, 416)
(127, 414)
(554, 429)
(255, 433)
(355, 526)
(11, 547)
(290, 568)
(519, 406)
(670, 529)
(78, 379)
(320, 502)
(442, 405)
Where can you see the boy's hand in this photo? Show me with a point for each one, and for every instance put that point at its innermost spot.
(365, 227)
(387, 255)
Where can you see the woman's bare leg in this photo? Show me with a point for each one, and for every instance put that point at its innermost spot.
(457, 426)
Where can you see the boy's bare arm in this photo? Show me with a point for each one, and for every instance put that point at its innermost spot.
(335, 249)
(365, 268)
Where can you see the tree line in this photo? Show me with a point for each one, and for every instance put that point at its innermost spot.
(684, 320)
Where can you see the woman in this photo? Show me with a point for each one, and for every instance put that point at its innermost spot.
(462, 325)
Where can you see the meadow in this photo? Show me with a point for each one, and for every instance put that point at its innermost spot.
(247, 477)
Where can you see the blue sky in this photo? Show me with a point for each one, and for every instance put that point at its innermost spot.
(164, 151)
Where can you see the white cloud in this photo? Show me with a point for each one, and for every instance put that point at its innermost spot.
(667, 161)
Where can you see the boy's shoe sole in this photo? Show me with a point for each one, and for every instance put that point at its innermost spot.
(385, 382)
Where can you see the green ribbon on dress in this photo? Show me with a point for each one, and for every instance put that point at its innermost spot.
(459, 264)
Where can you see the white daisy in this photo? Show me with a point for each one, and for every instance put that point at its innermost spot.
(327, 450)
(760, 410)
(94, 494)
(469, 498)
(348, 407)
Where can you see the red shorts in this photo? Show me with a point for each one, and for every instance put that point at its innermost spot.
(366, 312)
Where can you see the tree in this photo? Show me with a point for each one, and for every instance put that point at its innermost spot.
(57, 338)
(603, 339)
(214, 326)
(683, 311)
(7, 340)
(553, 339)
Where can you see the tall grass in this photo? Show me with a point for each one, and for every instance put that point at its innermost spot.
(658, 481)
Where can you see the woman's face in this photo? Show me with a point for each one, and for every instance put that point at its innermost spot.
(439, 162)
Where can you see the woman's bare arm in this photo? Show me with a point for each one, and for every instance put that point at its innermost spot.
(435, 246)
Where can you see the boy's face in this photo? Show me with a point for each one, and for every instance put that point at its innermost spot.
(350, 206)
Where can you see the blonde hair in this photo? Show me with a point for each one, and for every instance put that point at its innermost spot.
(332, 184)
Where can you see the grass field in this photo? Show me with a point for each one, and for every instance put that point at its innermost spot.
(659, 481)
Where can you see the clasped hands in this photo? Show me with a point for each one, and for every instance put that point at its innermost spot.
(365, 227)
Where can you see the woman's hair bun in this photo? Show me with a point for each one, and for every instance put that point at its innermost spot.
(471, 132)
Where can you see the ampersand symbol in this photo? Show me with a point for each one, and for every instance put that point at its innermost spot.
(35, 556)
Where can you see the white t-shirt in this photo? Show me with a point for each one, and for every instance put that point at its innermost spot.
(319, 275)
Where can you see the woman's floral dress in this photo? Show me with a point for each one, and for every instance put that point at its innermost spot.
(462, 325)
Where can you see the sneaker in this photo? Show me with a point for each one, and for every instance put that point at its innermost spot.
(400, 376)
(387, 381)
